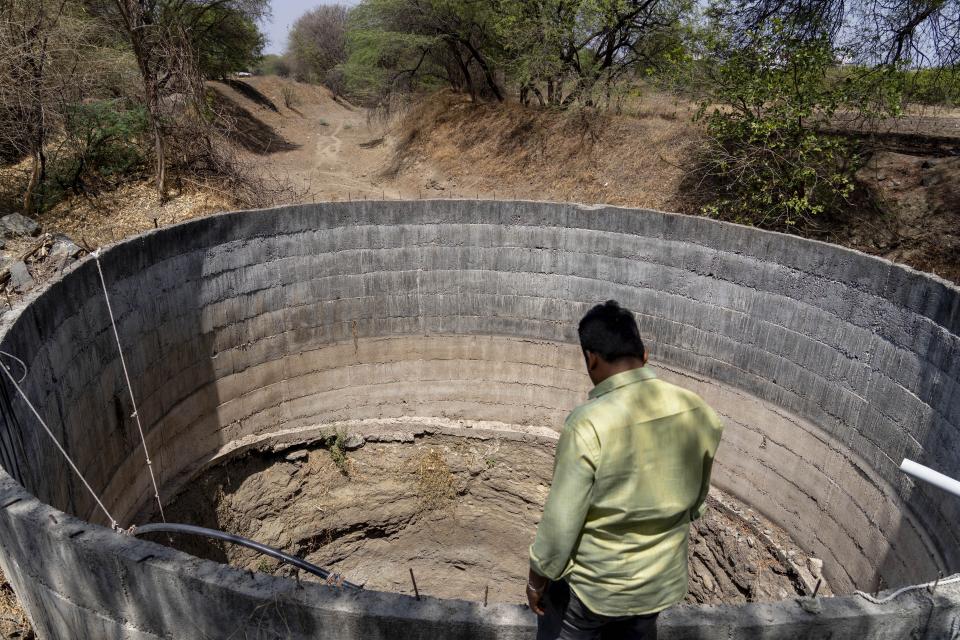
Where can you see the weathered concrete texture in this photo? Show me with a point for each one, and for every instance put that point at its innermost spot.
(830, 367)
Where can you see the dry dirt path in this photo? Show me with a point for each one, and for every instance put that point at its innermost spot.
(338, 152)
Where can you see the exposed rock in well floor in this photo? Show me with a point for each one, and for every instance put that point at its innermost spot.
(461, 513)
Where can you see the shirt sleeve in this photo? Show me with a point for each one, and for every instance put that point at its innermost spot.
(713, 441)
(568, 502)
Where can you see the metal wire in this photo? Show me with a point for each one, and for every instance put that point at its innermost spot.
(16, 385)
(22, 364)
(898, 592)
(126, 375)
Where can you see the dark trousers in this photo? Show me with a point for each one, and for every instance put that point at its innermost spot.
(566, 618)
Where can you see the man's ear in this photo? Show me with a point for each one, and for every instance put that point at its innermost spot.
(593, 360)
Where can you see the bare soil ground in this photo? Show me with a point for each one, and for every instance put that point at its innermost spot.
(916, 214)
(509, 151)
(461, 513)
(335, 150)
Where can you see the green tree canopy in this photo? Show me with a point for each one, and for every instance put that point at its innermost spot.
(226, 40)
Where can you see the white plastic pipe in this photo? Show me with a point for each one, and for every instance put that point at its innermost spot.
(929, 475)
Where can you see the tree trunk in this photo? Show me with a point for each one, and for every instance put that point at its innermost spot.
(39, 137)
(487, 73)
(153, 119)
(537, 93)
(464, 67)
(35, 177)
(137, 29)
(525, 92)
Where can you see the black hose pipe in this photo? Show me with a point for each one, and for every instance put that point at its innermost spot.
(246, 542)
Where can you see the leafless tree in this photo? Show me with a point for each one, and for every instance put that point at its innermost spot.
(28, 85)
(885, 32)
(154, 29)
(318, 42)
(138, 18)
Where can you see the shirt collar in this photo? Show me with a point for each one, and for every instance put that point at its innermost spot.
(622, 379)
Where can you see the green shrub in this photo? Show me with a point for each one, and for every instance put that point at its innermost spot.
(769, 159)
(103, 142)
(939, 87)
(108, 136)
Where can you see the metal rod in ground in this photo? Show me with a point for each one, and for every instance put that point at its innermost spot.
(416, 591)
(486, 592)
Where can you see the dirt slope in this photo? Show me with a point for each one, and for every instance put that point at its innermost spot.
(300, 132)
(509, 151)
(917, 215)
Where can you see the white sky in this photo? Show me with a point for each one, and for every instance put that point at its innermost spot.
(285, 13)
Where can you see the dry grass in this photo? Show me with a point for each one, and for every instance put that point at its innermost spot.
(436, 485)
(129, 210)
(279, 89)
(13, 620)
(576, 155)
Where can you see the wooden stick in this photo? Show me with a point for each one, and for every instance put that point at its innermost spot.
(486, 592)
(414, 580)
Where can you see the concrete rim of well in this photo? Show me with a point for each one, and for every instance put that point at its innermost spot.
(682, 621)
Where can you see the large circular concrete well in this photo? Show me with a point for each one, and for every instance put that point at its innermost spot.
(265, 330)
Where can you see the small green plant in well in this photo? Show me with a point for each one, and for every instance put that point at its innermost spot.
(338, 453)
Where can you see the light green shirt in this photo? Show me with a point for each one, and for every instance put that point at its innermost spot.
(632, 469)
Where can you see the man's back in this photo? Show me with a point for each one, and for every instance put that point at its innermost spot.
(632, 470)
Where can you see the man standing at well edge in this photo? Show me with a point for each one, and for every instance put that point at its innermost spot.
(632, 470)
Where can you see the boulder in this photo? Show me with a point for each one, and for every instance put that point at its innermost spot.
(299, 454)
(15, 225)
(354, 441)
(63, 250)
(20, 278)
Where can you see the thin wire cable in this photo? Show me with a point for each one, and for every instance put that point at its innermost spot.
(113, 522)
(22, 364)
(884, 600)
(126, 375)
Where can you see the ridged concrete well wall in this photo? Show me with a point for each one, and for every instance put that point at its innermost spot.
(828, 366)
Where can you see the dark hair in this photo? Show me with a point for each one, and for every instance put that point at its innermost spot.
(611, 332)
